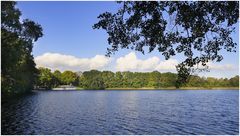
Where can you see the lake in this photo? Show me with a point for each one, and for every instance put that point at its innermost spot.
(123, 112)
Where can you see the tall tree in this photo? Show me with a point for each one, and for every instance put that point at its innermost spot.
(199, 30)
(46, 79)
(57, 76)
(107, 77)
(18, 72)
(234, 81)
(69, 78)
(92, 80)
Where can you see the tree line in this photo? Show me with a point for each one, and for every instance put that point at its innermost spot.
(95, 79)
(19, 74)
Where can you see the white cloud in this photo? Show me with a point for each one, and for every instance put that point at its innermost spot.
(130, 62)
(218, 67)
(221, 67)
(68, 62)
(167, 65)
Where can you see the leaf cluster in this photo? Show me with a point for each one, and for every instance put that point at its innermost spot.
(199, 30)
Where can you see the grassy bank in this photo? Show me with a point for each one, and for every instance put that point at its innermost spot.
(172, 88)
(210, 88)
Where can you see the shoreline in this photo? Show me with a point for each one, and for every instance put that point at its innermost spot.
(167, 88)
(173, 88)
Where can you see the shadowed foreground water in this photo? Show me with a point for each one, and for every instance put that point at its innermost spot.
(123, 112)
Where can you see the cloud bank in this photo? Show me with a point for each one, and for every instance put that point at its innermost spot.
(67, 62)
(221, 67)
(129, 62)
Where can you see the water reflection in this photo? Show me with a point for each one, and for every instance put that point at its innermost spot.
(122, 112)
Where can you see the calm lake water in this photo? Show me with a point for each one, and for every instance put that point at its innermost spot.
(123, 112)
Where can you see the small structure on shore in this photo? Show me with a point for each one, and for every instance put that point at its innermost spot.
(65, 87)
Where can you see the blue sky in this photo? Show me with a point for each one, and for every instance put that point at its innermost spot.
(68, 36)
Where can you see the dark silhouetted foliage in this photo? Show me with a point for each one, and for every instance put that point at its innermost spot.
(18, 68)
(199, 30)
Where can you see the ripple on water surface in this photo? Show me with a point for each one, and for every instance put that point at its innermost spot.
(123, 112)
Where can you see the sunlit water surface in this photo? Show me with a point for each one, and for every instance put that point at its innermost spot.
(123, 112)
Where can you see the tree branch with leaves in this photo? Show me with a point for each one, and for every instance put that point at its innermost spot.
(203, 27)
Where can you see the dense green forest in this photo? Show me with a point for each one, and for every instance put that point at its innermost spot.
(95, 79)
(18, 72)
